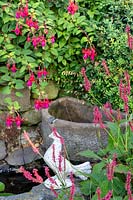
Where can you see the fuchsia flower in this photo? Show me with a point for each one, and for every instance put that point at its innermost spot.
(13, 68)
(91, 52)
(72, 8)
(18, 29)
(45, 103)
(31, 80)
(41, 104)
(43, 41)
(45, 73)
(22, 12)
(31, 23)
(18, 120)
(9, 121)
(52, 39)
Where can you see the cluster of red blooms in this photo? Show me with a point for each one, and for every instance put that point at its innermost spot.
(41, 104)
(36, 179)
(87, 84)
(98, 117)
(91, 53)
(104, 64)
(11, 67)
(40, 40)
(72, 7)
(124, 91)
(108, 110)
(129, 37)
(107, 196)
(40, 73)
(110, 168)
(10, 120)
(128, 187)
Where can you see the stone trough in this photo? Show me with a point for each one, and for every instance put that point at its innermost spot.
(73, 119)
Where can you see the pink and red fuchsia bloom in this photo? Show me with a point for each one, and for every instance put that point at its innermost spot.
(41, 104)
(10, 120)
(72, 8)
(91, 52)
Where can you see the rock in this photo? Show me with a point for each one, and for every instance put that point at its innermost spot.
(73, 119)
(21, 156)
(31, 117)
(20, 152)
(51, 90)
(3, 152)
(39, 192)
(24, 101)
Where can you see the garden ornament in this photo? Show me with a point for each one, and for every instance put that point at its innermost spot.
(55, 159)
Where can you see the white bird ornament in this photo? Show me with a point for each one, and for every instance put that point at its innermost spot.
(61, 166)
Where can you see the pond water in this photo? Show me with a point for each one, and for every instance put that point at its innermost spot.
(16, 183)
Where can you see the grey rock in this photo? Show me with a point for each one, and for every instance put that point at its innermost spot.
(21, 156)
(23, 101)
(3, 151)
(31, 117)
(73, 119)
(39, 192)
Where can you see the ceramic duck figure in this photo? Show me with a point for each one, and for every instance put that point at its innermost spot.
(61, 166)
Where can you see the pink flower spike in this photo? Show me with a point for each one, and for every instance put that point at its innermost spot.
(53, 182)
(98, 192)
(38, 177)
(72, 189)
(72, 8)
(127, 29)
(104, 64)
(35, 149)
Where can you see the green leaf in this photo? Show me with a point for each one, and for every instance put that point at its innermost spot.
(16, 105)
(19, 84)
(99, 166)
(90, 154)
(62, 42)
(8, 100)
(122, 168)
(2, 187)
(19, 94)
(84, 39)
(6, 90)
(54, 52)
(1, 39)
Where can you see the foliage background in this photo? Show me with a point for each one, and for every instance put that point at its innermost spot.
(101, 23)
